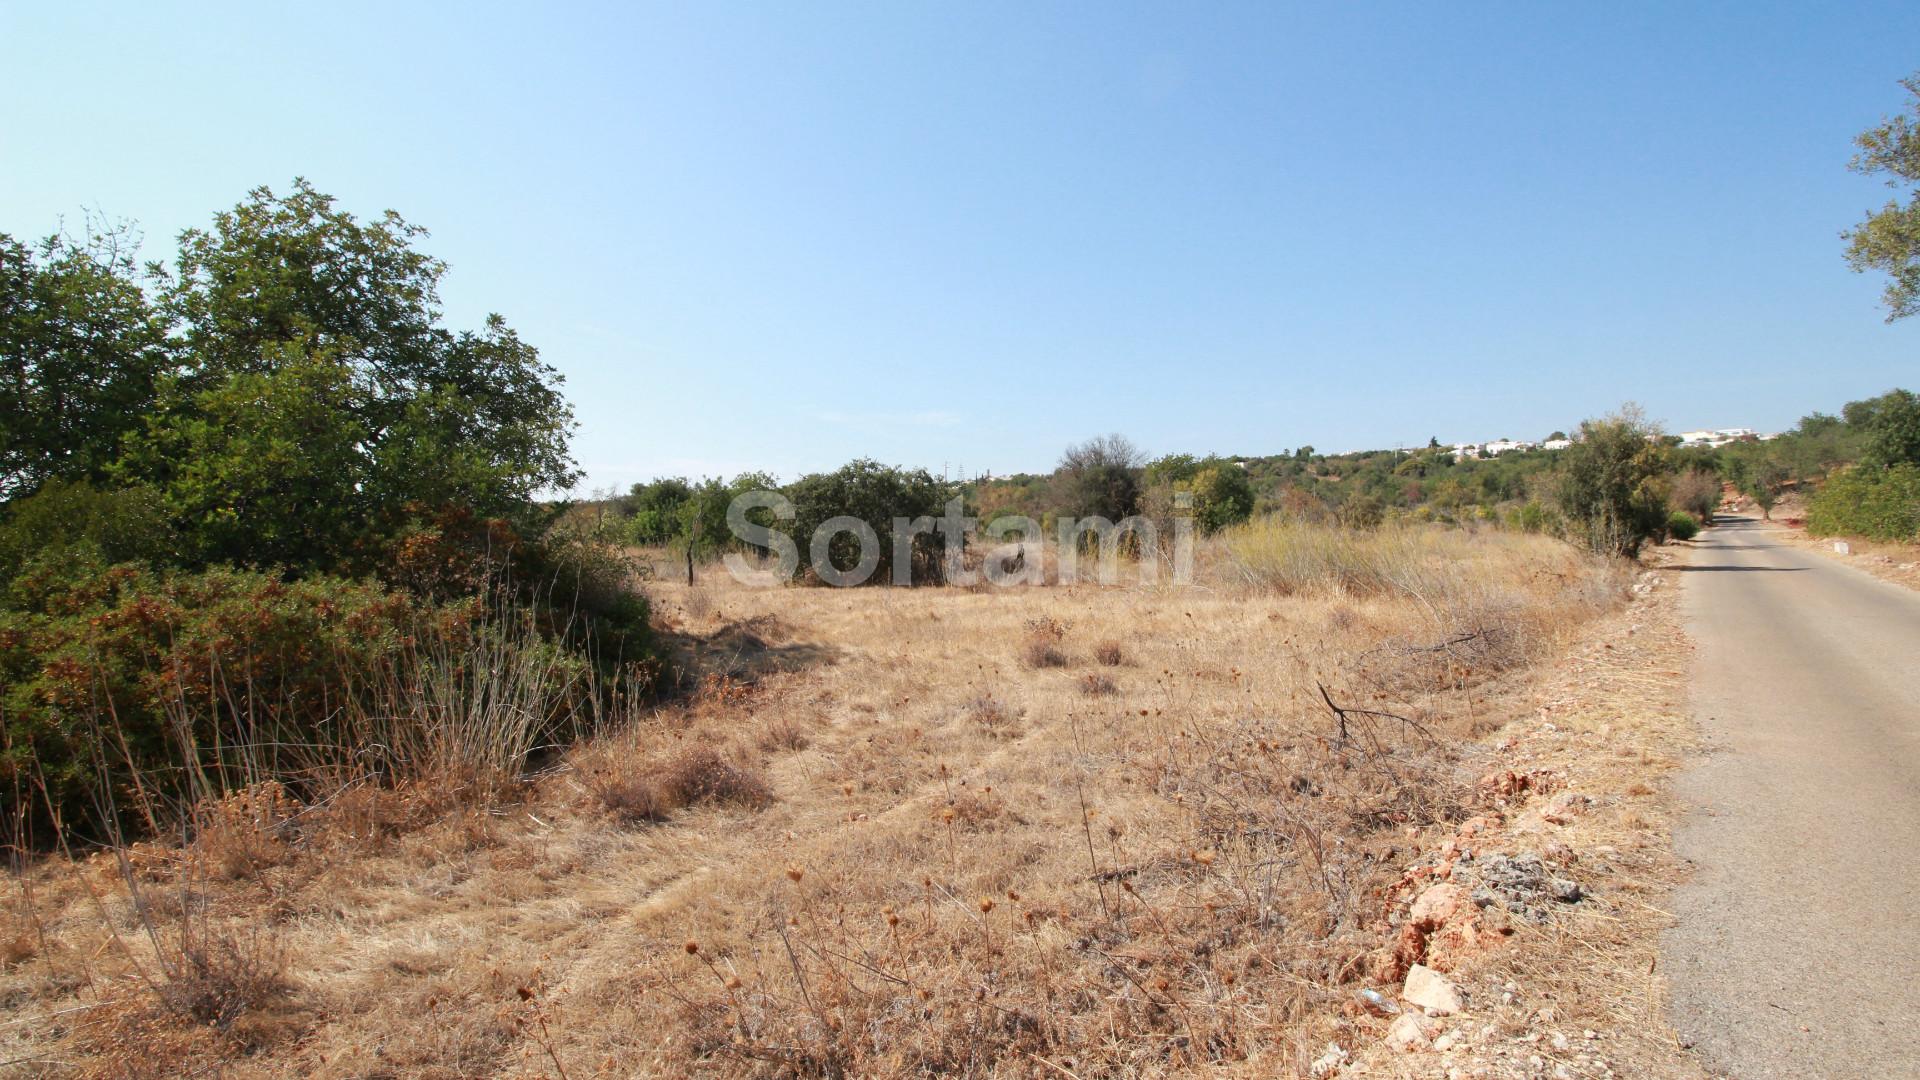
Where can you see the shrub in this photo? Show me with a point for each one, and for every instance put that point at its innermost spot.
(992, 713)
(1097, 685)
(1682, 526)
(1531, 517)
(213, 977)
(694, 776)
(1219, 494)
(1042, 646)
(1880, 504)
(1099, 478)
(68, 518)
(1109, 654)
(147, 691)
(1609, 484)
(876, 494)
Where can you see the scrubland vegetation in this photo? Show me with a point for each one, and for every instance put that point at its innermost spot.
(889, 831)
(332, 747)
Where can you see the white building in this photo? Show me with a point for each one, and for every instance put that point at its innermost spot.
(1715, 436)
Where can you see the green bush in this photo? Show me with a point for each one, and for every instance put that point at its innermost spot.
(1682, 525)
(1610, 485)
(97, 662)
(875, 494)
(1880, 504)
(75, 518)
(139, 689)
(1531, 517)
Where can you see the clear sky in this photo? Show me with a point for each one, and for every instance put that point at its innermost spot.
(784, 236)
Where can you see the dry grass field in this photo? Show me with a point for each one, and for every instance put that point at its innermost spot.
(1063, 831)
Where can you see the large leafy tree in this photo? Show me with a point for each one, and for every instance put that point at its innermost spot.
(320, 401)
(1889, 239)
(1890, 425)
(80, 351)
(266, 467)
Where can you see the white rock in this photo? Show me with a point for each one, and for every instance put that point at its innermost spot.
(1841, 547)
(1329, 1063)
(1431, 991)
(1407, 1033)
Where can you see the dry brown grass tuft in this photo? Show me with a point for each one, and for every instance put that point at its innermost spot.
(1096, 685)
(783, 733)
(213, 977)
(1109, 653)
(993, 714)
(1042, 648)
(692, 776)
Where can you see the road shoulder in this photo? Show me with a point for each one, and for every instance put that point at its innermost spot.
(1580, 791)
(1898, 563)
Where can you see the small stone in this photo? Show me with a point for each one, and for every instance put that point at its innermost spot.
(1560, 1042)
(1329, 1063)
(1590, 1034)
(1438, 904)
(1431, 991)
(1408, 1033)
(1446, 1042)
(1565, 891)
(1565, 807)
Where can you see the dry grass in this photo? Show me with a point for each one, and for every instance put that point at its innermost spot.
(634, 787)
(1043, 644)
(1096, 685)
(962, 863)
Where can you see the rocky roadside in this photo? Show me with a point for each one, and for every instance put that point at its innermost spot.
(1525, 939)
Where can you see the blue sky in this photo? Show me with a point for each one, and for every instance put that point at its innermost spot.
(964, 235)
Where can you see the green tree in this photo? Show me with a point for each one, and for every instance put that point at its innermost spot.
(1219, 490)
(1889, 239)
(317, 382)
(875, 494)
(80, 351)
(1889, 426)
(267, 467)
(654, 509)
(1762, 481)
(1610, 483)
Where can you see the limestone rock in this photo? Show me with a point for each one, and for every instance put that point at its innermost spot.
(1432, 991)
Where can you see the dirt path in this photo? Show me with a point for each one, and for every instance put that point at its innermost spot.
(1799, 940)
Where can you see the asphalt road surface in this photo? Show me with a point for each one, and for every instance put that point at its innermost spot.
(1797, 951)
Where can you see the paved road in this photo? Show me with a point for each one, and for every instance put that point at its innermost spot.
(1798, 946)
